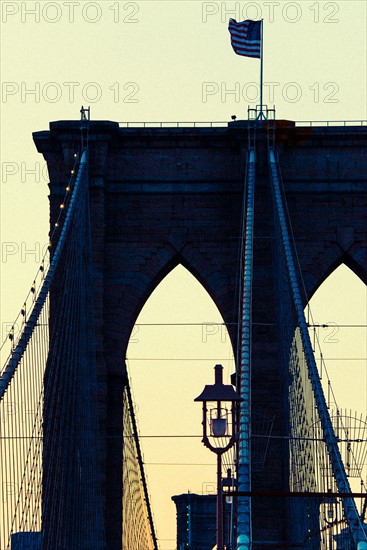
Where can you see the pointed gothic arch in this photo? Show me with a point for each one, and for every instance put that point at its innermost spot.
(176, 361)
(349, 260)
(339, 307)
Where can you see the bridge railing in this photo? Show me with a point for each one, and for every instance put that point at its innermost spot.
(331, 122)
(174, 124)
(224, 124)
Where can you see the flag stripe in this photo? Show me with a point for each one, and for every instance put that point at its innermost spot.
(240, 38)
(245, 37)
(236, 34)
(252, 44)
(243, 26)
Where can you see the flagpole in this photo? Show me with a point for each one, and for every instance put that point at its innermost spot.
(261, 70)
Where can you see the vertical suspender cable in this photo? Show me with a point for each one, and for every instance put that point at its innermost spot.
(350, 509)
(141, 467)
(244, 451)
(32, 322)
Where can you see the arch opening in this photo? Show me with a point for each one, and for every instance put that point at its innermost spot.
(339, 314)
(345, 262)
(178, 337)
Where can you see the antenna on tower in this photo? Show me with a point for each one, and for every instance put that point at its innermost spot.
(84, 126)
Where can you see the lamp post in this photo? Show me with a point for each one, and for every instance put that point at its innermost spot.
(219, 431)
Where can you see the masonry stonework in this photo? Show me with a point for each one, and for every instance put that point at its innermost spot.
(165, 196)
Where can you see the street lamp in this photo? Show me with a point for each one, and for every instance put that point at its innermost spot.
(219, 431)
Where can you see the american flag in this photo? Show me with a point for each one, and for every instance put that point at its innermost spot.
(245, 37)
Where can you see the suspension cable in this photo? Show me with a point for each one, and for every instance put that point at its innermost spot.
(350, 510)
(244, 529)
(30, 325)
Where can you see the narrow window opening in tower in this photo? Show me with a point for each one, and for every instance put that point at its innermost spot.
(338, 333)
(178, 338)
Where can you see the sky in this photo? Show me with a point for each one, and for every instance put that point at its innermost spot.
(172, 61)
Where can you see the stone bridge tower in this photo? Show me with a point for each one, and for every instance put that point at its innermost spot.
(164, 196)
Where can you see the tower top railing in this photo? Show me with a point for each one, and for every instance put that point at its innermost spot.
(168, 124)
(331, 122)
(223, 124)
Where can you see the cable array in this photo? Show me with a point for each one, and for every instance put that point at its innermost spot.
(244, 530)
(21, 443)
(314, 455)
(50, 470)
(137, 521)
(22, 396)
(72, 502)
